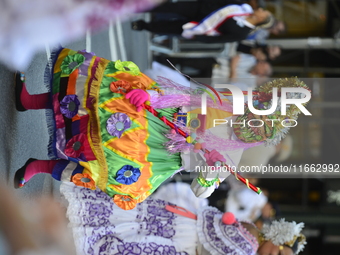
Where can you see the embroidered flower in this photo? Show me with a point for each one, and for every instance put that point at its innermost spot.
(71, 63)
(84, 180)
(128, 175)
(117, 124)
(121, 87)
(124, 202)
(75, 146)
(69, 106)
(128, 67)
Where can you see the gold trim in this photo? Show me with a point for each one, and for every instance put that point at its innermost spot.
(94, 122)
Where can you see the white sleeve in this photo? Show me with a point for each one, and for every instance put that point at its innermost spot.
(204, 185)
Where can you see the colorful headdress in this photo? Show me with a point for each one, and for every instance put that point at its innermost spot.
(285, 233)
(272, 132)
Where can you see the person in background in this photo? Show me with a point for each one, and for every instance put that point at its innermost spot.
(241, 69)
(261, 35)
(246, 72)
(208, 21)
(260, 52)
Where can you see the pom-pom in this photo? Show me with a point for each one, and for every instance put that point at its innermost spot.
(228, 218)
(282, 232)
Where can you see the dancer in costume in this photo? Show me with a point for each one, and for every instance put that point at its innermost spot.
(102, 135)
(158, 227)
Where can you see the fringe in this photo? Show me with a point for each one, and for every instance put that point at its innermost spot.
(176, 143)
(50, 118)
(94, 123)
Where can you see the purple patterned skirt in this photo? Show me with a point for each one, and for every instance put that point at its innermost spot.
(101, 227)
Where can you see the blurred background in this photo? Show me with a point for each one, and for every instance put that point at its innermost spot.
(309, 49)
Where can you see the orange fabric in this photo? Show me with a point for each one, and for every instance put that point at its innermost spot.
(124, 202)
(138, 81)
(77, 180)
(127, 147)
(76, 117)
(72, 80)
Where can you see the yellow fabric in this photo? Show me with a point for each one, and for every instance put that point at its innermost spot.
(212, 114)
(127, 147)
(94, 125)
(63, 54)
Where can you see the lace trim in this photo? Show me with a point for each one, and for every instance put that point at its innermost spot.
(219, 238)
(251, 238)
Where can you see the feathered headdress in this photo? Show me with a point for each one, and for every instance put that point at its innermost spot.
(285, 233)
(273, 131)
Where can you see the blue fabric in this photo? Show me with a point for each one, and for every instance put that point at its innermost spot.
(121, 178)
(59, 168)
(79, 169)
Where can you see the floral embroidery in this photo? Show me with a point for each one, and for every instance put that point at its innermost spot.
(128, 175)
(69, 106)
(84, 180)
(117, 124)
(75, 146)
(128, 67)
(96, 210)
(124, 202)
(150, 249)
(225, 239)
(159, 222)
(71, 63)
(121, 87)
(132, 248)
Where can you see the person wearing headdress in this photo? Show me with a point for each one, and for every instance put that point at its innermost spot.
(114, 128)
(208, 21)
(159, 227)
